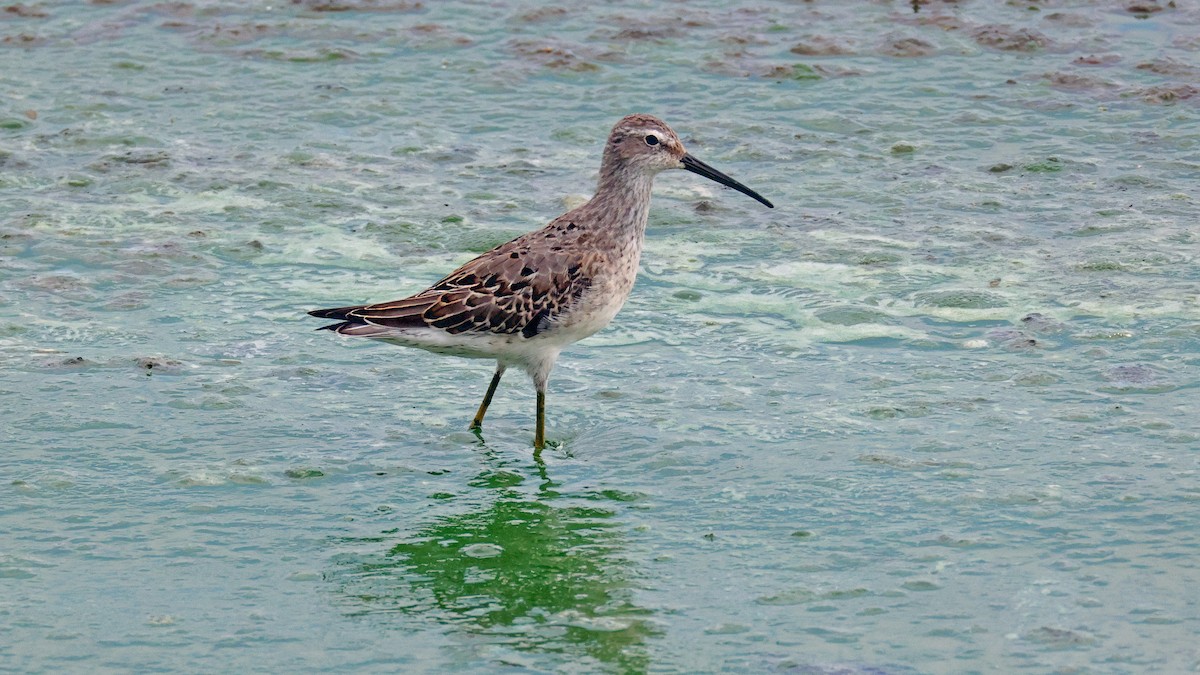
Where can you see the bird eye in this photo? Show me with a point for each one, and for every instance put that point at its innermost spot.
(651, 139)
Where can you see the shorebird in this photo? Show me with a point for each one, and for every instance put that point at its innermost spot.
(522, 302)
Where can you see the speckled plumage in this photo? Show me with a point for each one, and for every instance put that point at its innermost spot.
(523, 301)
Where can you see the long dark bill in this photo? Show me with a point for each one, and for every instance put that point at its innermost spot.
(696, 166)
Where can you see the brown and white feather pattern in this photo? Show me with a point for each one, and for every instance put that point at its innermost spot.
(517, 287)
(521, 288)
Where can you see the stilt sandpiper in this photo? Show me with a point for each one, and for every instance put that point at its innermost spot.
(522, 302)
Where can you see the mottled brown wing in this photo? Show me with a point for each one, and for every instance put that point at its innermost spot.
(514, 288)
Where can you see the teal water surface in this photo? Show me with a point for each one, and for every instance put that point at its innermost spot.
(936, 412)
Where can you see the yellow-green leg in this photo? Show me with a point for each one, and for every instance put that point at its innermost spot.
(477, 423)
(539, 437)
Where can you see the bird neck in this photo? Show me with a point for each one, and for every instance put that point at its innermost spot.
(622, 199)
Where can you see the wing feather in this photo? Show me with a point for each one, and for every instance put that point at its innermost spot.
(521, 286)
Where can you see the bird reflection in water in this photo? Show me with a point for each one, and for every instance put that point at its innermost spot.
(532, 570)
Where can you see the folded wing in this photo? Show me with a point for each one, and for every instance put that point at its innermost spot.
(514, 288)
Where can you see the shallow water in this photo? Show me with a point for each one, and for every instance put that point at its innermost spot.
(933, 413)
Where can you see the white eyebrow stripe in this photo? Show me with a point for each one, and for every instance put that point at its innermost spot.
(655, 133)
